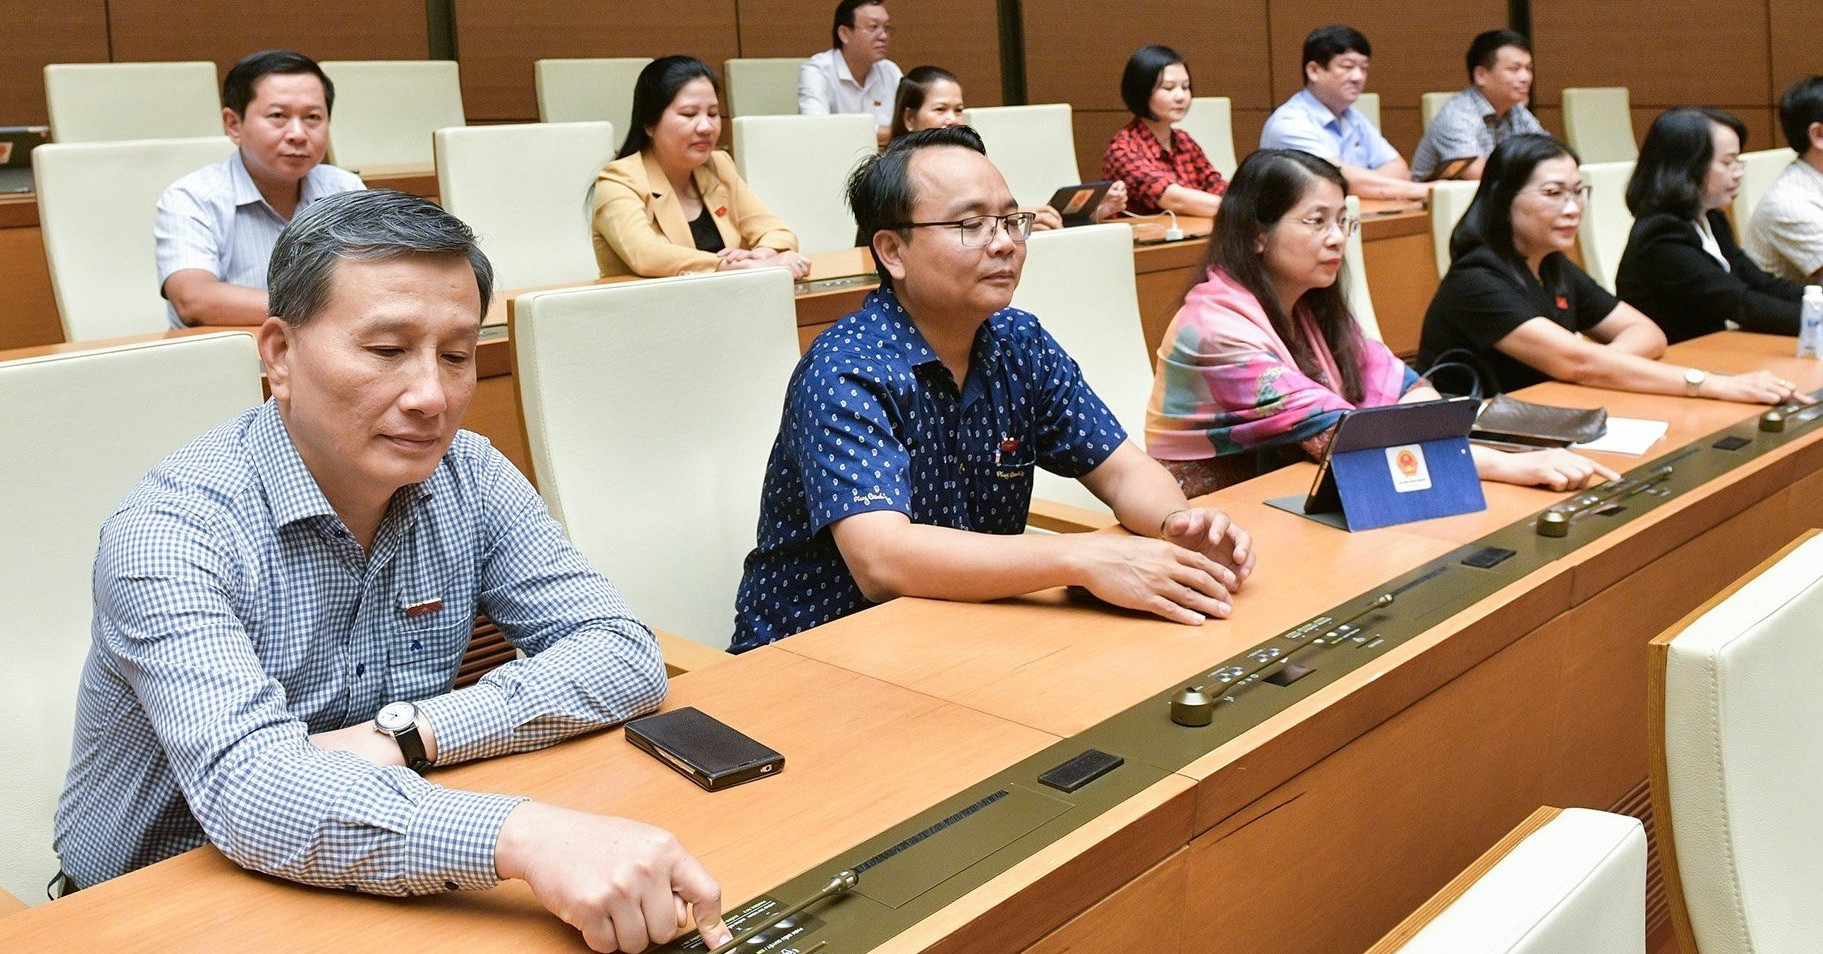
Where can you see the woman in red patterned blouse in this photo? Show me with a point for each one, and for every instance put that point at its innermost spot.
(1162, 166)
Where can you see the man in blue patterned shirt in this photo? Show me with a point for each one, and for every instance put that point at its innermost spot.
(903, 465)
(267, 589)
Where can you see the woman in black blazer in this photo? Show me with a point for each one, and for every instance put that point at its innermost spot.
(1682, 267)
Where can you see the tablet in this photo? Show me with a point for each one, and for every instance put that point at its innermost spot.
(1077, 203)
(1396, 425)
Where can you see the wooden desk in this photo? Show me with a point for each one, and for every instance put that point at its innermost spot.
(1348, 808)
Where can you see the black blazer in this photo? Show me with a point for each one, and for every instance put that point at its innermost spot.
(1666, 274)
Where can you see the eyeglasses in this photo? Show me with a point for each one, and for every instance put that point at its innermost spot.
(877, 29)
(1319, 227)
(1562, 195)
(979, 230)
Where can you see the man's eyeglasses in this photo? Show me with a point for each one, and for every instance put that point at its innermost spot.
(1563, 194)
(979, 230)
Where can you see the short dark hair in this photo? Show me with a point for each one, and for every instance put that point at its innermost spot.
(880, 188)
(238, 87)
(657, 85)
(1801, 106)
(1267, 186)
(1325, 43)
(1488, 220)
(1142, 74)
(913, 88)
(365, 225)
(845, 17)
(1674, 160)
(1484, 51)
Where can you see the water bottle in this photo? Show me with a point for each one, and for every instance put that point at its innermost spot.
(1810, 322)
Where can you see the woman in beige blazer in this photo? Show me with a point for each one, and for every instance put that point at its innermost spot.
(671, 203)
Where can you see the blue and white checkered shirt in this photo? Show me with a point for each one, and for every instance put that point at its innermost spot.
(235, 615)
(215, 219)
(1466, 126)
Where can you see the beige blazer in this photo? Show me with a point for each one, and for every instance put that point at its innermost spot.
(640, 228)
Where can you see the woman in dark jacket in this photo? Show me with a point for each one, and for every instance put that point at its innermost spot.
(1682, 267)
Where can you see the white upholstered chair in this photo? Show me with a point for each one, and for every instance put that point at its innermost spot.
(690, 372)
(1598, 123)
(108, 102)
(587, 90)
(386, 111)
(1736, 731)
(1448, 201)
(1080, 284)
(96, 205)
(1761, 168)
(1360, 299)
(762, 86)
(799, 166)
(77, 431)
(1566, 880)
(1210, 122)
(1430, 103)
(1032, 146)
(1369, 105)
(1606, 223)
(523, 189)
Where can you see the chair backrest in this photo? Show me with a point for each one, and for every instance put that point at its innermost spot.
(762, 86)
(587, 90)
(96, 205)
(652, 457)
(108, 102)
(1606, 222)
(1210, 122)
(1369, 105)
(1568, 879)
(1736, 729)
(1430, 103)
(1360, 300)
(1762, 167)
(799, 166)
(1448, 201)
(523, 189)
(1598, 123)
(77, 431)
(386, 111)
(1033, 146)
(1080, 284)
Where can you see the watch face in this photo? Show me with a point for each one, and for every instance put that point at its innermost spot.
(397, 716)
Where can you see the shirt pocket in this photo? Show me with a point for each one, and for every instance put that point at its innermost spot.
(999, 491)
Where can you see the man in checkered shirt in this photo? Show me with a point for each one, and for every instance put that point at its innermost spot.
(269, 588)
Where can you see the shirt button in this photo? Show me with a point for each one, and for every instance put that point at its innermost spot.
(451, 885)
(361, 670)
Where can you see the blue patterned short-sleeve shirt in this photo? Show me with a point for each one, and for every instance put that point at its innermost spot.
(874, 421)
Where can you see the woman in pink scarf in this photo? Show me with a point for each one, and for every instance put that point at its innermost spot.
(1245, 386)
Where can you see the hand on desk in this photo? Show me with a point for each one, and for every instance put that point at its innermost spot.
(732, 258)
(623, 884)
(1186, 576)
(1555, 468)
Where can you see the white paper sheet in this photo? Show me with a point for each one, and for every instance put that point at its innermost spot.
(1627, 435)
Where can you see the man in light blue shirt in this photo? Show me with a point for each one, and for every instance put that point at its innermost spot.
(1321, 118)
(1491, 110)
(216, 226)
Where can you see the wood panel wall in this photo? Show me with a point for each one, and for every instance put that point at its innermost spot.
(39, 33)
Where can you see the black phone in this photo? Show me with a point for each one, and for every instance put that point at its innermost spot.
(704, 749)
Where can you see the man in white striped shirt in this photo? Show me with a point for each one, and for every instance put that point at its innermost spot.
(216, 226)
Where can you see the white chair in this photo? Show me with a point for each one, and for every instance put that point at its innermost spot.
(1448, 201)
(762, 86)
(1210, 122)
(650, 449)
(1762, 167)
(77, 431)
(1360, 300)
(1080, 284)
(386, 110)
(108, 102)
(1606, 222)
(1033, 146)
(1598, 123)
(1736, 731)
(799, 166)
(96, 204)
(1430, 103)
(587, 90)
(1369, 105)
(1566, 880)
(523, 189)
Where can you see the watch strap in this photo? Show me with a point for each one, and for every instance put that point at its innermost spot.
(411, 746)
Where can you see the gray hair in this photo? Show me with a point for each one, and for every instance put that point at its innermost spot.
(362, 226)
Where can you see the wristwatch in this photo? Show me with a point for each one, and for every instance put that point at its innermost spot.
(400, 720)
(1693, 380)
